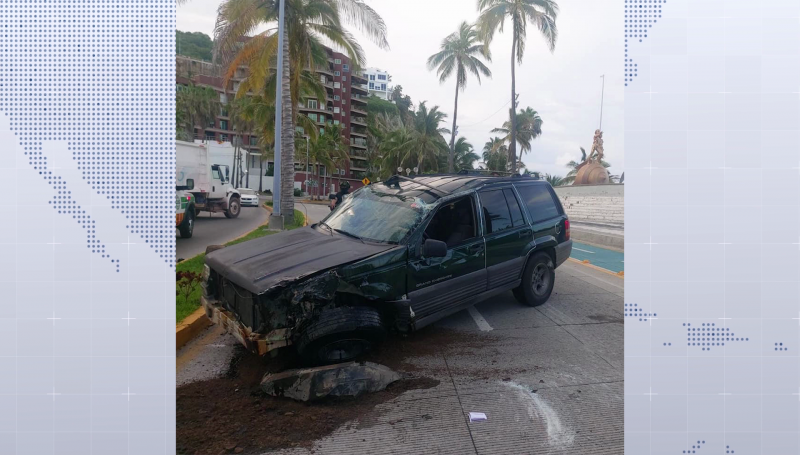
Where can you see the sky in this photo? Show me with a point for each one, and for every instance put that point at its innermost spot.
(564, 87)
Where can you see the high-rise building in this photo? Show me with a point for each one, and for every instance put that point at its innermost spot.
(345, 105)
(378, 83)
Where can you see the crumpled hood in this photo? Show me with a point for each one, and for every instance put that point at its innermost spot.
(266, 262)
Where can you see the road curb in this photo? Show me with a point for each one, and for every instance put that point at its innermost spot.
(305, 218)
(600, 269)
(191, 327)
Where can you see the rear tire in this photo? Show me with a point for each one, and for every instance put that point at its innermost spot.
(538, 280)
(341, 335)
(187, 225)
(234, 208)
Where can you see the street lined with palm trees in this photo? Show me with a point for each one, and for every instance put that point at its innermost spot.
(548, 378)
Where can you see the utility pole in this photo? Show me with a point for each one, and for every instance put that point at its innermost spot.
(276, 220)
(602, 92)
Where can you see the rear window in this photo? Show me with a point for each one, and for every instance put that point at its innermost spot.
(539, 201)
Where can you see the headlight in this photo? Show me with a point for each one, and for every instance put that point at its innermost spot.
(206, 272)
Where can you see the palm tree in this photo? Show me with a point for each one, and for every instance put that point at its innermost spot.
(495, 155)
(308, 23)
(418, 142)
(529, 127)
(574, 165)
(465, 157)
(198, 106)
(542, 13)
(460, 52)
(554, 180)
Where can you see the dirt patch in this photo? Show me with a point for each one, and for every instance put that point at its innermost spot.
(232, 415)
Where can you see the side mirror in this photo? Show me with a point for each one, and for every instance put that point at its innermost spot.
(189, 184)
(434, 249)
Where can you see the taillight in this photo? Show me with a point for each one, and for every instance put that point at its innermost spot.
(566, 229)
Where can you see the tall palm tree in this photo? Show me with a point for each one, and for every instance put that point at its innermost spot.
(495, 155)
(417, 143)
(308, 23)
(460, 52)
(541, 13)
(529, 127)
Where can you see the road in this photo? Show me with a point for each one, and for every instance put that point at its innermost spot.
(549, 379)
(215, 229)
(601, 257)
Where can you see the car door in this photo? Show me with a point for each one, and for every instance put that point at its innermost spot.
(547, 216)
(439, 284)
(508, 236)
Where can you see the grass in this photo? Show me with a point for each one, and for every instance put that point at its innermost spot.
(185, 307)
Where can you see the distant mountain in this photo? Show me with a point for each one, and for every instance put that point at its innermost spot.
(194, 44)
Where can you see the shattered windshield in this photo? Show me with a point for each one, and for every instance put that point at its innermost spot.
(375, 215)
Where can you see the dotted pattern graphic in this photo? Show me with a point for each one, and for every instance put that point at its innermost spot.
(708, 335)
(640, 16)
(100, 76)
(695, 447)
(633, 311)
(780, 347)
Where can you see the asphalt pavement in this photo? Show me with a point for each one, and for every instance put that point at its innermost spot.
(215, 229)
(549, 379)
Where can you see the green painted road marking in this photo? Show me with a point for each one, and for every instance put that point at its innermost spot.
(600, 257)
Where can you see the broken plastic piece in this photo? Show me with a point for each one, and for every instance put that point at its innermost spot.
(477, 416)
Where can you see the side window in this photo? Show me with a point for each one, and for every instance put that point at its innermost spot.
(495, 211)
(453, 223)
(513, 206)
(215, 174)
(539, 201)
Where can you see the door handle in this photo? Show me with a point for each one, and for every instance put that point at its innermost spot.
(475, 248)
(524, 233)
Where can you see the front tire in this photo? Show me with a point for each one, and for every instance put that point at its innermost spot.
(234, 208)
(341, 335)
(187, 225)
(538, 280)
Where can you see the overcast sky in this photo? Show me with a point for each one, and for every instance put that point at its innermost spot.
(564, 87)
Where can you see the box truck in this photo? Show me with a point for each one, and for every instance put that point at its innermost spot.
(202, 171)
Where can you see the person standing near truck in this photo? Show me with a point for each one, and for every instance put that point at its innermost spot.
(336, 198)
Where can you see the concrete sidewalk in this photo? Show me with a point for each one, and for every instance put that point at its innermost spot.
(549, 379)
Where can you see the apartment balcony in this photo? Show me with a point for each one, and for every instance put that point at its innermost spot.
(357, 110)
(360, 87)
(362, 77)
(357, 167)
(358, 142)
(357, 155)
(359, 120)
(359, 98)
(358, 132)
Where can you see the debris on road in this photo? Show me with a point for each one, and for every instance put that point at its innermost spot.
(477, 416)
(339, 380)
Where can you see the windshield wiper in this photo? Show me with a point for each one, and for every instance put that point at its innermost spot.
(322, 223)
(349, 234)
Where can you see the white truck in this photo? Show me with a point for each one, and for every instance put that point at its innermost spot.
(201, 171)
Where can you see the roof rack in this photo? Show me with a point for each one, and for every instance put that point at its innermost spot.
(394, 178)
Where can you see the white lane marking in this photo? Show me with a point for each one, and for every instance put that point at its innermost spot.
(585, 251)
(482, 324)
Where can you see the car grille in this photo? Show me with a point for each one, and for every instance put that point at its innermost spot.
(238, 301)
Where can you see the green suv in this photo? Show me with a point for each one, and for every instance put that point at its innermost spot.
(394, 256)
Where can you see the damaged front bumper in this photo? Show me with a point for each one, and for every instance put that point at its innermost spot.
(257, 343)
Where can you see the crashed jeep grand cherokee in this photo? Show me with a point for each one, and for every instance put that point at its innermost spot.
(393, 257)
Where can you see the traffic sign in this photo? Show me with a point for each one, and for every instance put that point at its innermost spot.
(365, 181)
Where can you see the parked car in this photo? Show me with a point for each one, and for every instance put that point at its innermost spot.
(249, 197)
(394, 256)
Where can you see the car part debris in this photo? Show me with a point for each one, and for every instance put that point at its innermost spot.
(477, 416)
(344, 379)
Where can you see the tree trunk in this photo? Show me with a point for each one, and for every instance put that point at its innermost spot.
(287, 138)
(512, 148)
(453, 135)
